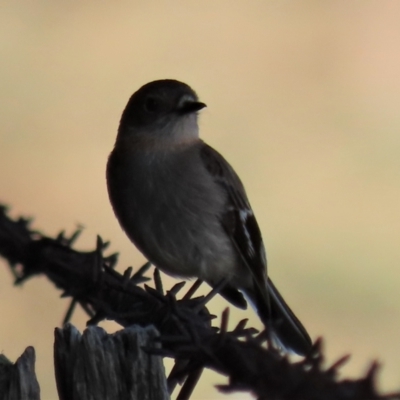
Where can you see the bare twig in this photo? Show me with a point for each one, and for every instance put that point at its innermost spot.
(249, 361)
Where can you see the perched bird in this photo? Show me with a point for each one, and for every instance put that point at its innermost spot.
(185, 208)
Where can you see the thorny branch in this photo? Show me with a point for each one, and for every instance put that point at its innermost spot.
(247, 358)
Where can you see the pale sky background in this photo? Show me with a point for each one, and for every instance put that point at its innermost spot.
(303, 99)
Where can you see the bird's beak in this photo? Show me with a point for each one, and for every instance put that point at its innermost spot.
(190, 106)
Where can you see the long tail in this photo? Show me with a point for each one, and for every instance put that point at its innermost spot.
(285, 326)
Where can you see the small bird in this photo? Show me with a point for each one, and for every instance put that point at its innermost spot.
(184, 207)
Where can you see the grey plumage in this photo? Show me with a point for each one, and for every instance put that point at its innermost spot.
(186, 210)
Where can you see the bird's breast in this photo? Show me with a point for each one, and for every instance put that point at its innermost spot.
(169, 206)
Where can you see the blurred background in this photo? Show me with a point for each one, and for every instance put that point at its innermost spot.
(303, 100)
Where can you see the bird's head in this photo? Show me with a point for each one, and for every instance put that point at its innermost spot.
(160, 109)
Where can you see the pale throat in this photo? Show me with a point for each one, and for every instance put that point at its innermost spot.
(177, 133)
(183, 130)
(180, 132)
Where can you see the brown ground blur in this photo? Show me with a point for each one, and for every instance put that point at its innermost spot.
(303, 99)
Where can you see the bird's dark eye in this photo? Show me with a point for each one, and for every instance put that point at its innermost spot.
(152, 104)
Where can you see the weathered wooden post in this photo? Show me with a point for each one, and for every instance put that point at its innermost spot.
(18, 381)
(96, 365)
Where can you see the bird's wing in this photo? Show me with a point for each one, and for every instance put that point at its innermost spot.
(238, 219)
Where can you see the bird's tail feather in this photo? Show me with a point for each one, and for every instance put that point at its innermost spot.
(277, 316)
